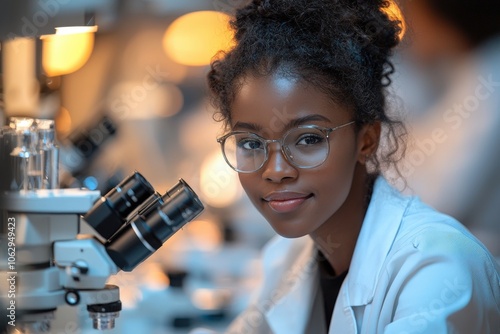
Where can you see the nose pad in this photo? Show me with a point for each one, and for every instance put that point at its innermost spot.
(277, 167)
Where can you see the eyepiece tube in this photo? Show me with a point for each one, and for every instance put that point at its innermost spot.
(109, 213)
(149, 229)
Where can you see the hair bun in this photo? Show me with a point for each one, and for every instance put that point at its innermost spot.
(362, 21)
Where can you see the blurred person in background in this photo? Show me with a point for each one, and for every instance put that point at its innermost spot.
(453, 163)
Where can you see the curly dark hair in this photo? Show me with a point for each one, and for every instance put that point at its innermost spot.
(341, 47)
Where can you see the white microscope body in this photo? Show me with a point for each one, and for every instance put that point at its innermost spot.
(49, 260)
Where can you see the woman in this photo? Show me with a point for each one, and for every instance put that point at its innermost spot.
(302, 97)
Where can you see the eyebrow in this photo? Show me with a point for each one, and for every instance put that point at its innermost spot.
(291, 124)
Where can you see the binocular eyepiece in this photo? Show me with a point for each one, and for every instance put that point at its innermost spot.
(136, 220)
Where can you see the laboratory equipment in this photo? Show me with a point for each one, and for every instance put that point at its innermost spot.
(49, 262)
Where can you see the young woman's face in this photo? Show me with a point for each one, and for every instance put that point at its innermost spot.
(295, 201)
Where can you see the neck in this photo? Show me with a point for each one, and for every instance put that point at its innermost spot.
(336, 239)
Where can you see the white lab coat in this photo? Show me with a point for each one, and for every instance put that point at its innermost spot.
(414, 270)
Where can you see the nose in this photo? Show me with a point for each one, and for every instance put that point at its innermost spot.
(277, 168)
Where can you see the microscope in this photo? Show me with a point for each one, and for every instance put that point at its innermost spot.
(46, 262)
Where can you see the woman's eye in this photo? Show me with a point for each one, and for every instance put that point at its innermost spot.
(250, 144)
(310, 139)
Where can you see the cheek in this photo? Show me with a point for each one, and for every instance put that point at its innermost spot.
(334, 177)
(334, 180)
(249, 183)
(342, 158)
(243, 179)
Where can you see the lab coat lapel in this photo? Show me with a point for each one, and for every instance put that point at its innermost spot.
(376, 237)
(375, 240)
(295, 291)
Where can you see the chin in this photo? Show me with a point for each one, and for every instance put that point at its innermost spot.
(291, 235)
(288, 230)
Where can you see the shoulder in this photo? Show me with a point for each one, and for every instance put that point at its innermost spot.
(423, 227)
(437, 273)
(429, 236)
(435, 251)
(428, 231)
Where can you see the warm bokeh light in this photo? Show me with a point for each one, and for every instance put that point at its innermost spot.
(211, 299)
(219, 184)
(20, 86)
(153, 276)
(204, 235)
(193, 39)
(148, 275)
(67, 50)
(63, 123)
(395, 14)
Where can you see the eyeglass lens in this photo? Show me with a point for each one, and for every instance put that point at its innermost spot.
(303, 147)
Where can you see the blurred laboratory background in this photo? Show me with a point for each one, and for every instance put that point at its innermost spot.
(127, 93)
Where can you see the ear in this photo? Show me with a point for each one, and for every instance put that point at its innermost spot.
(368, 139)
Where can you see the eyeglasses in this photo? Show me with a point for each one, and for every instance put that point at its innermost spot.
(306, 146)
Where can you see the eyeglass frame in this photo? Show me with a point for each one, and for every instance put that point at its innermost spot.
(326, 131)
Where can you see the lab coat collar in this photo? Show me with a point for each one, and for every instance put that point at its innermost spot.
(380, 226)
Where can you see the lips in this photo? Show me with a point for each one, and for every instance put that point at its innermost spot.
(283, 202)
